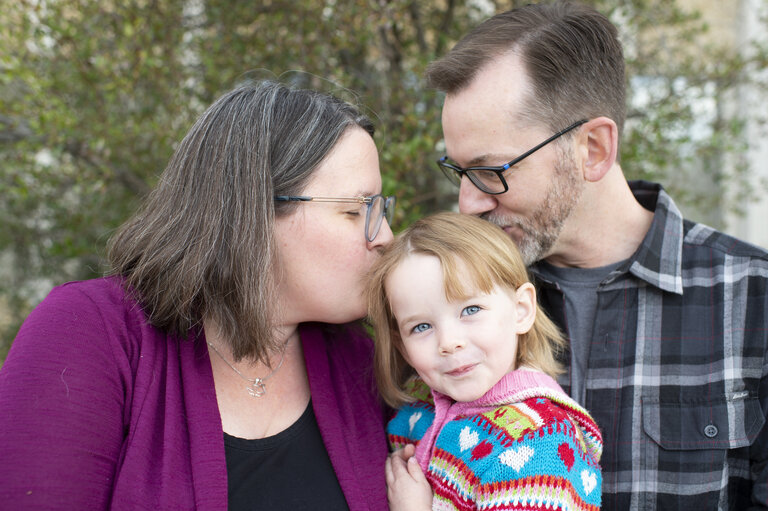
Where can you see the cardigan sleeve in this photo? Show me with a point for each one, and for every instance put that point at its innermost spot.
(62, 402)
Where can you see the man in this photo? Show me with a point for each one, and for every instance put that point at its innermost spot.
(666, 318)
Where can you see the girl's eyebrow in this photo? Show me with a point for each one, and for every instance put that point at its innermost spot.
(406, 320)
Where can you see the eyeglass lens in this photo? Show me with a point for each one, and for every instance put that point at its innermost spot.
(486, 180)
(452, 175)
(377, 210)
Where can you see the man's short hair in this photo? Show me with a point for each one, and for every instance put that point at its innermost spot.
(571, 52)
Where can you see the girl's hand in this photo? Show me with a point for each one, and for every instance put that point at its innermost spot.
(407, 488)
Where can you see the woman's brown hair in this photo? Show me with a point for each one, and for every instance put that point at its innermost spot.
(202, 246)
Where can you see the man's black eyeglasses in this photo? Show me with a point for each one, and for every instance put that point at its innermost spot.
(379, 208)
(490, 179)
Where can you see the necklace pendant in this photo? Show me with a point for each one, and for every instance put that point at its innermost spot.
(257, 388)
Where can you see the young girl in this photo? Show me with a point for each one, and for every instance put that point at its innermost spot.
(450, 300)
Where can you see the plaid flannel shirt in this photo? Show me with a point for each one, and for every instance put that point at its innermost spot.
(677, 373)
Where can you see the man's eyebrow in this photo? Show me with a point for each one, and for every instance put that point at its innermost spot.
(483, 159)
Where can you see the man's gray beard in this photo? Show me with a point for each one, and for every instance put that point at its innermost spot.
(543, 228)
(534, 244)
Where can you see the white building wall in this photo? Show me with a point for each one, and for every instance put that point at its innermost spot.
(752, 226)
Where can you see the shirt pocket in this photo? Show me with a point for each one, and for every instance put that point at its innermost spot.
(691, 423)
(696, 442)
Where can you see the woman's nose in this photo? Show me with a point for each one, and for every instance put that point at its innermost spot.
(383, 237)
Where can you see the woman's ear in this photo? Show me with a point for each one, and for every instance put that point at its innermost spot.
(525, 308)
(600, 138)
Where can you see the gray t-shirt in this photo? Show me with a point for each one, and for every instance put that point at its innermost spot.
(579, 287)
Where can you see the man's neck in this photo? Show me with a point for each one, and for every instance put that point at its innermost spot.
(607, 227)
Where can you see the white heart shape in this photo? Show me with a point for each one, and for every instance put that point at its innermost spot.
(468, 438)
(589, 479)
(516, 458)
(413, 419)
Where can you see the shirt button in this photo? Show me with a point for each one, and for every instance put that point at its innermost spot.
(710, 431)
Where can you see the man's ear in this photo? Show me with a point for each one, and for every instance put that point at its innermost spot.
(525, 308)
(600, 142)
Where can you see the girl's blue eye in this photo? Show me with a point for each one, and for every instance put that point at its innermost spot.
(472, 309)
(421, 327)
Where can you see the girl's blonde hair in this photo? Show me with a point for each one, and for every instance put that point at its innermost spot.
(466, 246)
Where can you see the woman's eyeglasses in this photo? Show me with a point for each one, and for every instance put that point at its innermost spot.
(379, 208)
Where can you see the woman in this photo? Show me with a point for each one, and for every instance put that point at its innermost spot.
(205, 372)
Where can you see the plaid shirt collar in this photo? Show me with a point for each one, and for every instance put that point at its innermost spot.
(658, 260)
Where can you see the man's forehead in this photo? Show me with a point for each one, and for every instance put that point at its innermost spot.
(501, 78)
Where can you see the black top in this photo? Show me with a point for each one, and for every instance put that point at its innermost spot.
(290, 470)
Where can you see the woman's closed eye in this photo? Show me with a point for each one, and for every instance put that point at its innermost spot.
(421, 327)
(470, 310)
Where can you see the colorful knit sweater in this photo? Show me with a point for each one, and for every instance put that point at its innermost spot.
(524, 445)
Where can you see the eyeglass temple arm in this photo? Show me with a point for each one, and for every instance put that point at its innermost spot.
(293, 198)
(307, 198)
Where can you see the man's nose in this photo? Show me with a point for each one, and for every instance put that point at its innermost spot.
(472, 201)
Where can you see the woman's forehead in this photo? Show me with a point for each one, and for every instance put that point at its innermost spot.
(350, 169)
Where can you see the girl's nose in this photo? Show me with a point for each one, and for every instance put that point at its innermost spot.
(449, 343)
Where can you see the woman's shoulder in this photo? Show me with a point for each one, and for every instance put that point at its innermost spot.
(86, 317)
(103, 292)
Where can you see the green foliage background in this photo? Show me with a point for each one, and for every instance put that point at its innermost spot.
(94, 96)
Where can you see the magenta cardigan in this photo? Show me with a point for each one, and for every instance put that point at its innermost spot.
(100, 410)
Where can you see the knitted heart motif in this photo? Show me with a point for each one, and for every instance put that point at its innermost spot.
(468, 438)
(589, 479)
(566, 454)
(413, 419)
(516, 458)
(482, 450)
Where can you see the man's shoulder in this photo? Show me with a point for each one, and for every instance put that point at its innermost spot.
(672, 237)
(697, 236)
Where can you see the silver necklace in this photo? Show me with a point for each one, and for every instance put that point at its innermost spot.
(256, 387)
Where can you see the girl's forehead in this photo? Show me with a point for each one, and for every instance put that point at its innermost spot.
(459, 278)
